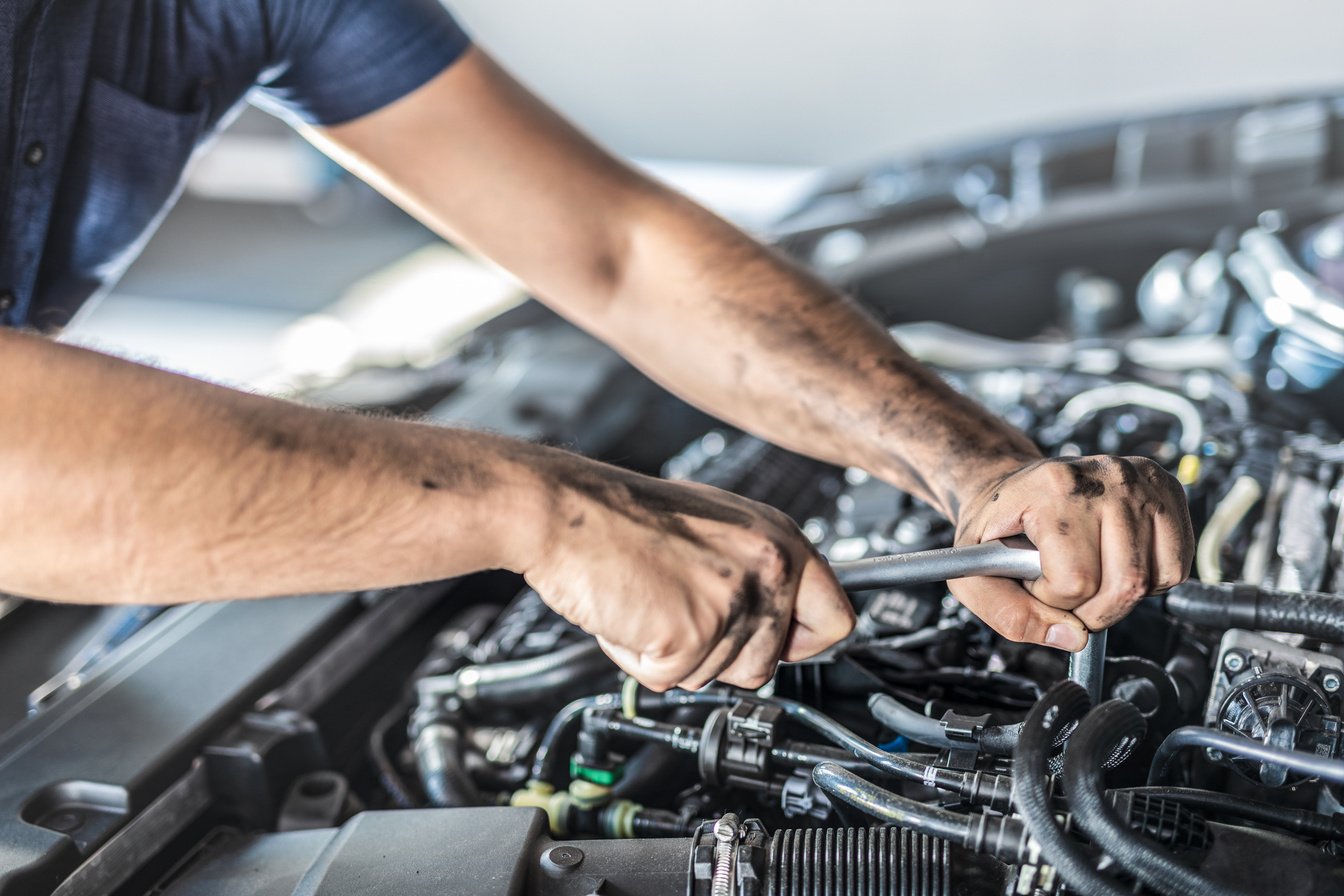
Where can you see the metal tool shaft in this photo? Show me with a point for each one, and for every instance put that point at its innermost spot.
(993, 558)
(1088, 666)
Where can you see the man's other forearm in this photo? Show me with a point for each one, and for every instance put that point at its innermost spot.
(124, 483)
(785, 356)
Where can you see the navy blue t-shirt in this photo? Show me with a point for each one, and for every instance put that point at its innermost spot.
(108, 99)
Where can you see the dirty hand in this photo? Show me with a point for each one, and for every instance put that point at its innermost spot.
(682, 583)
(1110, 531)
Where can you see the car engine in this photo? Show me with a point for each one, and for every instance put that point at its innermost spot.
(1170, 288)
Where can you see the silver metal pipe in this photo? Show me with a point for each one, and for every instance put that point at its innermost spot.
(1088, 666)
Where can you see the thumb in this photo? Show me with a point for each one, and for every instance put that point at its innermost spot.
(1008, 608)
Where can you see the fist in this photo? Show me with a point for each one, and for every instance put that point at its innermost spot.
(1110, 531)
(683, 584)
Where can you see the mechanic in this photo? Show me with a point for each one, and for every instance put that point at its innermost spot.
(123, 483)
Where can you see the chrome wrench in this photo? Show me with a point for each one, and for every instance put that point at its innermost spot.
(1013, 558)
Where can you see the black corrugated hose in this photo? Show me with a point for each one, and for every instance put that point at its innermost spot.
(1312, 613)
(1100, 732)
(1063, 704)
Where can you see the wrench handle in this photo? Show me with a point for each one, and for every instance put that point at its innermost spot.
(992, 558)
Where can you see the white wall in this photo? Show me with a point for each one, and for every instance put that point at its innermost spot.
(824, 81)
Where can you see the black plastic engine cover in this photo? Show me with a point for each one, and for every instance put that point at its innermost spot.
(497, 851)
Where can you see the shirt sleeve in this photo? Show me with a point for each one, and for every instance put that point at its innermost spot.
(335, 60)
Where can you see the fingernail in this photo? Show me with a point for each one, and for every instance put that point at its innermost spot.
(1065, 637)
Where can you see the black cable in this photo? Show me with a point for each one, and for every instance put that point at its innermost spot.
(1099, 734)
(1062, 705)
(1238, 745)
(1298, 821)
(387, 772)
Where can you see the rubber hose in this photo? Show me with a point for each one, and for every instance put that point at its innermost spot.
(1229, 513)
(1101, 731)
(996, 739)
(1004, 838)
(979, 787)
(536, 679)
(1311, 613)
(438, 757)
(544, 759)
(1298, 821)
(1063, 704)
(1237, 745)
(890, 807)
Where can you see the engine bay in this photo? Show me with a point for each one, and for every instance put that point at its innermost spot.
(461, 737)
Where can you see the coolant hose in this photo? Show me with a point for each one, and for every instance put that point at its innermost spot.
(1311, 613)
(522, 683)
(1231, 510)
(1101, 732)
(438, 758)
(1060, 707)
(1238, 745)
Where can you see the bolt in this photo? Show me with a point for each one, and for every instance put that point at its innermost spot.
(65, 822)
(725, 832)
(1331, 681)
(562, 858)
(1234, 662)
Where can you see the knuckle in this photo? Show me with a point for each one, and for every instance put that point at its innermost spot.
(663, 648)
(1129, 590)
(751, 679)
(656, 683)
(1059, 476)
(773, 565)
(1076, 584)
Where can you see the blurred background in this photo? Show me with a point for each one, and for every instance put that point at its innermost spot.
(276, 266)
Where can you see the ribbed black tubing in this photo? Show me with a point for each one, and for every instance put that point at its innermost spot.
(858, 862)
(1100, 732)
(1064, 704)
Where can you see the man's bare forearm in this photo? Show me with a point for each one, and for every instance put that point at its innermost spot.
(784, 355)
(125, 483)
